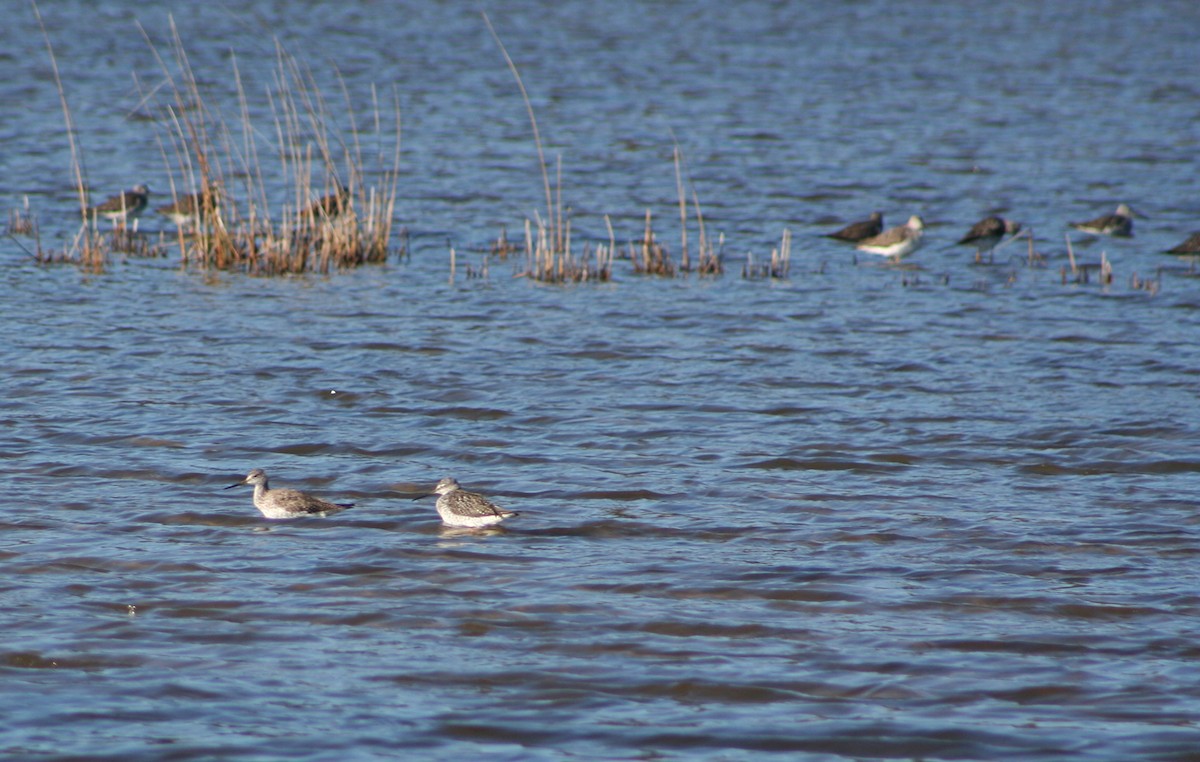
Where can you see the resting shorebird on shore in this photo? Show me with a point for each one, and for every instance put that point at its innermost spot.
(1119, 223)
(286, 503)
(123, 207)
(857, 231)
(896, 242)
(987, 233)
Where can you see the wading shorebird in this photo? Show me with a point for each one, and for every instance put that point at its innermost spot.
(123, 207)
(286, 503)
(459, 508)
(192, 208)
(987, 233)
(1189, 247)
(857, 231)
(1119, 223)
(896, 242)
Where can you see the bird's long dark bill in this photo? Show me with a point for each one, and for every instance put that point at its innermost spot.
(422, 497)
(231, 486)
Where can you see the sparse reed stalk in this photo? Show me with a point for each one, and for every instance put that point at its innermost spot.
(654, 258)
(778, 266)
(89, 249)
(708, 259)
(684, 262)
(537, 135)
(549, 256)
(68, 121)
(781, 258)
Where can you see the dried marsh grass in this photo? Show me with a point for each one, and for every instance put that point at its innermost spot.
(779, 264)
(650, 257)
(323, 207)
(22, 221)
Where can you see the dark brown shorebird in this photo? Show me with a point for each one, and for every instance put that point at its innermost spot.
(123, 207)
(1189, 246)
(286, 503)
(858, 231)
(1119, 223)
(987, 233)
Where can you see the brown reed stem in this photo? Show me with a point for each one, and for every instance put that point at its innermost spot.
(68, 121)
(683, 237)
(537, 137)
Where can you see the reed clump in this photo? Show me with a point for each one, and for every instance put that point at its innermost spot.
(709, 257)
(548, 261)
(22, 221)
(502, 248)
(650, 257)
(778, 265)
(322, 206)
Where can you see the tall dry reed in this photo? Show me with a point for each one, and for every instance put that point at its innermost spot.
(282, 194)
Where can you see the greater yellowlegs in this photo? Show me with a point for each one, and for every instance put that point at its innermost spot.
(1119, 223)
(987, 233)
(286, 503)
(896, 242)
(857, 231)
(459, 508)
(123, 207)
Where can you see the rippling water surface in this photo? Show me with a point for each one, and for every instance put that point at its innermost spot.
(941, 512)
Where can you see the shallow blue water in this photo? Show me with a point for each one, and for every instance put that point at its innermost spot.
(944, 511)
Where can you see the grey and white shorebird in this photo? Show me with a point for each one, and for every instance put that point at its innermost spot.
(1119, 223)
(895, 242)
(857, 231)
(286, 503)
(987, 233)
(123, 207)
(191, 208)
(1191, 246)
(459, 508)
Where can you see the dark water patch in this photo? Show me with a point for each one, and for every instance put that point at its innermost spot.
(820, 464)
(624, 495)
(89, 663)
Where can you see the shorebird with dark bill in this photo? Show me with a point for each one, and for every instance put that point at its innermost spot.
(857, 231)
(987, 233)
(286, 503)
(459, 508)
(191, 208)
(895, 242)
(123, 207)
(1119, 223)
(1189, 247)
